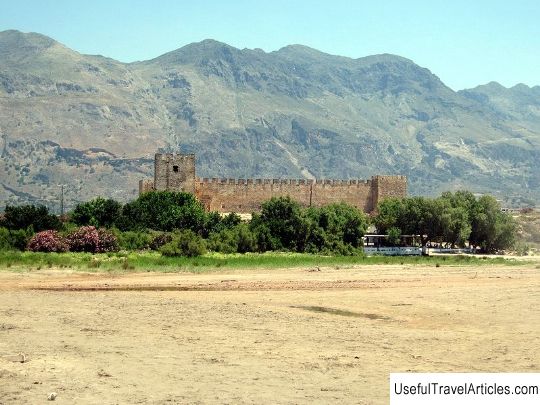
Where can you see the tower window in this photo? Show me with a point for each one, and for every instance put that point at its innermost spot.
(175, 169)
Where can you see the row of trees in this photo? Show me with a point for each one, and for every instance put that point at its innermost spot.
(454, 218)
(282, 224)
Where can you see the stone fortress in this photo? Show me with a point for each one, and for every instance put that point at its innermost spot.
(176, 172)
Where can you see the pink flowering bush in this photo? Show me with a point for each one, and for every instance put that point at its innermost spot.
(47, 241)
(92, 240)
(84, 239)
(107, 242)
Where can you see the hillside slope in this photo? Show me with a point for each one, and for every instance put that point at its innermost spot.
(93, 123)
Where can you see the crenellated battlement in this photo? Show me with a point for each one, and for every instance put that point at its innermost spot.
(176, 172)
(297, 182)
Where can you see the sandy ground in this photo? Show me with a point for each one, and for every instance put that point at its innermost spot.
(259, 336)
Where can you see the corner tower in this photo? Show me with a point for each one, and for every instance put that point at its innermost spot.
(386, 187)
(174, 172)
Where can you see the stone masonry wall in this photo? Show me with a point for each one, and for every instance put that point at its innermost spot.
(145, 186)
(240, 195)
(388, 186)
(176, 172)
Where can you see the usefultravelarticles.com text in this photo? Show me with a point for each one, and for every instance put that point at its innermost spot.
(464, 388)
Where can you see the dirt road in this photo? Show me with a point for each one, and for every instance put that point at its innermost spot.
(260, 336)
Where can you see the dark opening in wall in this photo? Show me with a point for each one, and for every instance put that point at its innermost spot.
(175, 169)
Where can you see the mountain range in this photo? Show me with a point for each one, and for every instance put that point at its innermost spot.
(93, 123)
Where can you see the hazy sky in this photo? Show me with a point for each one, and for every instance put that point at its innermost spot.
(464, 42)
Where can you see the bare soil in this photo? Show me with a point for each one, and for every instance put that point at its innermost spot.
(329, 335)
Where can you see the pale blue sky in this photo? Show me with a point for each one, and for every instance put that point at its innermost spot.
(464, 42)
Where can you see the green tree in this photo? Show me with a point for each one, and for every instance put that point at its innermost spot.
(99, 212)
(414, 216)
(26, 216)
(265, 241)
(460, 198)
(458, 216)
(394, 236)
(286, 223)
(492, 229)
(453, 218)
(246, 241)
(421, 216)
(163, 211)
(215, 223)
(389, 212)
(337, 228)
(456, 226)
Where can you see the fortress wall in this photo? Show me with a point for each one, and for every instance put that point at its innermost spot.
(240, 195)
(388, 186)
(247, 195)
(145, 186)
(354, 192)
(176, 172)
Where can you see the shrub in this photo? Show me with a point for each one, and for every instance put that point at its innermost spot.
(98, 212)
(239, 239)
(47, 241)
(5, 239)
(92, 240)
(107, 241)
(26, 216)
(185, 243)
(84, 239)
(263, 237)
(131, 240)
(285, 221)
(215, 223)
(159, 240)
(246, 241)
(14, 239)
(163, 211)
(224, 241)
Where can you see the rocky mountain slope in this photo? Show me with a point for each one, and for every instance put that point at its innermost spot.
(94, 123)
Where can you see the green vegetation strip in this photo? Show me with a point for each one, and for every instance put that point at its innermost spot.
(153, 261)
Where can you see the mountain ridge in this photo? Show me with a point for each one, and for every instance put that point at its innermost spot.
(250, 113)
